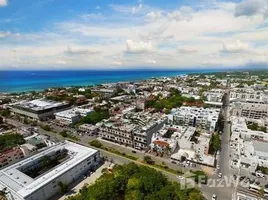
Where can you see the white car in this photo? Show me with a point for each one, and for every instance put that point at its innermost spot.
(214, 197)
(218, 166)
(220, 175)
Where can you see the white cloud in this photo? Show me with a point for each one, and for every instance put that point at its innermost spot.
(117, 63)
(236, 47)
(78, 51)
(138, 47)
(3, 3)
(183, 13)
(187, 50)
(250, 7)
(153, 16)
(183, 37)
(150, 61)
(4, 34)
(136, 9)
(61, 62)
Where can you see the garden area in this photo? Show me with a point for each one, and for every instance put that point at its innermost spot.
(8, 141)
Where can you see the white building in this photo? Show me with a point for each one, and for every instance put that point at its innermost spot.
(20, 186)
(249, 148)
(251, 111)
(72, 116)
(39, 109)
(132, 129)
(205, 118)
(248, 95)
(214, 95)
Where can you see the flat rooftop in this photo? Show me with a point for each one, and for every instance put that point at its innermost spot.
(40, 104)
(73, 112)
(22, 185)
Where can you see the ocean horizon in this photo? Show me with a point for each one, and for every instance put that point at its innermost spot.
(37, 80)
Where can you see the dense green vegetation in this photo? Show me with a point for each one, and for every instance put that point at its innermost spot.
(5, 101)
(46, 127)
(74, 91)
(200, 176)
(96, 143)
(133, 182)
(63, 187)
(94, 117)
(5, 113)
(255, 127)
(220, 123)
(10, 140)
(215, 143)
(264, 170)
(173, 101)
(148, 160)
(240, 74)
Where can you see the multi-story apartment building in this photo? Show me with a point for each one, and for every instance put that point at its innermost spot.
(132, 129)
(251, 111)
(205, 118)
(248, 95)
(117, 132)
(214, 95)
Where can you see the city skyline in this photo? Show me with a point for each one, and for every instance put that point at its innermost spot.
(47, 34)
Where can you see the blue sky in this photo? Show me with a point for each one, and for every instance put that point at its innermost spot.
(127, 34)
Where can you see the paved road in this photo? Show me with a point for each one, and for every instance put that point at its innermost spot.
(84, 141)
(141, 154)
(218, 186)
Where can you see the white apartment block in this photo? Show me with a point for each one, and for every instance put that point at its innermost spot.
(19, 186)
(250, 148)
(71, 116)
(205, 118)
(214, 95)
(248, 95)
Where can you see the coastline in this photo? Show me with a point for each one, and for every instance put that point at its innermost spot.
(26, 81)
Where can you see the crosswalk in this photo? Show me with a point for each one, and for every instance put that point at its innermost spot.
(246, 195)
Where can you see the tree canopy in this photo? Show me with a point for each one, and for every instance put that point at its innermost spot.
(134, 182)
(94, 117)
(10, 140)
(173, 101)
